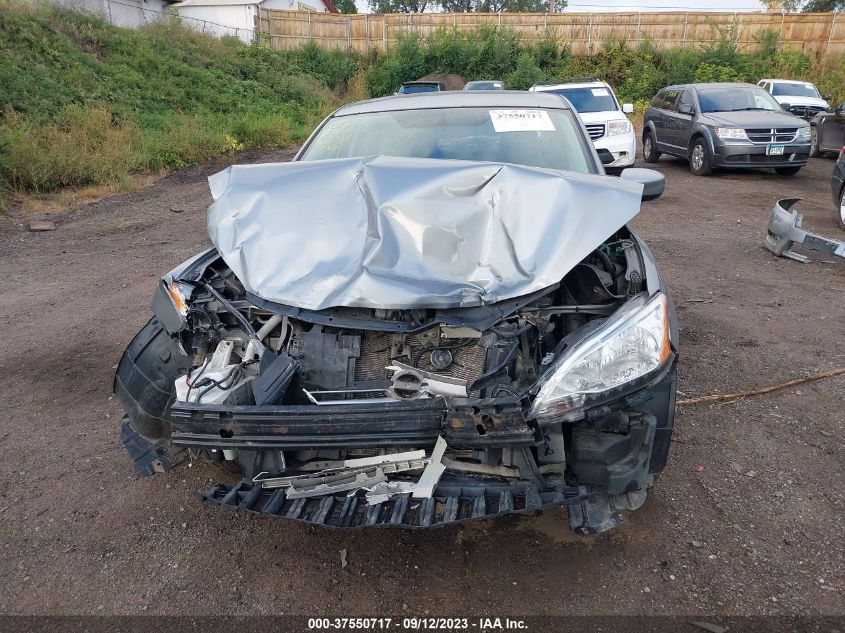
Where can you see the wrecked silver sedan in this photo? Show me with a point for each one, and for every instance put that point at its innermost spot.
(435, 313)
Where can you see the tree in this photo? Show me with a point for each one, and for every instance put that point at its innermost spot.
(807, 6)
(824, 6)
(398, 6)
(499, 6)
(346, 6)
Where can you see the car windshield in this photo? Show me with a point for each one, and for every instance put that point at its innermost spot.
(412, 88)
(525, 136)
(484, 85)
(795, 90)
(735, 98)
(596, 99)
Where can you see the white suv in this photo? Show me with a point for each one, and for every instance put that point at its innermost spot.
(801, 97)
(605, 120)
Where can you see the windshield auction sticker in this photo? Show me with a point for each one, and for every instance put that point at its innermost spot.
(521, 121)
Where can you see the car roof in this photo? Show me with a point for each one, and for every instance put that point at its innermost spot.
(786, 81)
(457, 99)
(723, 84)
(571, 84)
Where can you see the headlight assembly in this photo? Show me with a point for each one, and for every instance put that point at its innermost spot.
(632, 345)
(170, 304)
(615, 128)
(804, 133)
(733, 133)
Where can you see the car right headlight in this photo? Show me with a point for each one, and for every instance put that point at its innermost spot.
(732, 133)
(615, 128)
(622, 355)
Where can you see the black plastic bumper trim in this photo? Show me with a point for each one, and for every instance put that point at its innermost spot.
(452, 503)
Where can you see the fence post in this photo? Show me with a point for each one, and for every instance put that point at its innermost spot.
(590, 35)
(830, 35)
(348, 34)
(110, 20)
(735, 34)
(686, 25)
(310, 28)
(545, 23)
(367, 32)
(454, 20)
(639, 26)
(384, 32)
(500, 20)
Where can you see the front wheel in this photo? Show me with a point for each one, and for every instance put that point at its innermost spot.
(814, 142)
(787, 171)
(650, 155)
(699, 159)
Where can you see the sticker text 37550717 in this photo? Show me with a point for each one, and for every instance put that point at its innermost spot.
(521, 121)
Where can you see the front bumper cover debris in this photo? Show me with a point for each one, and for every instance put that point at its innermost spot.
(785, 231)
(456, 499)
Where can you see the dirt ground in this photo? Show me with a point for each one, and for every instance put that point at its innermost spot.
(746, 519)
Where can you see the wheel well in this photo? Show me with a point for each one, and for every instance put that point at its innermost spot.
(693, 139)
(646, 132)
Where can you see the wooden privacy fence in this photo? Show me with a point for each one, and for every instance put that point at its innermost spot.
(816, 33)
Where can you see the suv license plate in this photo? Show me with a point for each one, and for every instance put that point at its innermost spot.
(774, 150)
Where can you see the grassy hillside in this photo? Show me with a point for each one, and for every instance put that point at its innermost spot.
(83, 102)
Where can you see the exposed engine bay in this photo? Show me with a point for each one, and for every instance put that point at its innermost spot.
(314, 362)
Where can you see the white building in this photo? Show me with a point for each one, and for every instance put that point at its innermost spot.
(127, 13)
(239, 17)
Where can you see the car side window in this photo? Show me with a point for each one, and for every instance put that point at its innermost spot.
(657, 102)
(686, 99)
(671, 99)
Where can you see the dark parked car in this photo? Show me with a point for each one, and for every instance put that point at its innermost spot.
(371, 342)
(828, 130)
(837, 185)
(413, 87)
(724, 125)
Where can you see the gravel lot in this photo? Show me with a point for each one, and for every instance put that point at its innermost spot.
(746, 520)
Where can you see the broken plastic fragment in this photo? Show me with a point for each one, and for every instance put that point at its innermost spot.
(431, 475)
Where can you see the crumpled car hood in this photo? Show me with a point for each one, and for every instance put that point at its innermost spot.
(401, 233)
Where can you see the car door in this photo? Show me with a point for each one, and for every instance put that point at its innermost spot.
(663, 110)
(831, 129)
(679, 120)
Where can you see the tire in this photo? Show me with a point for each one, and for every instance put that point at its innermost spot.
(842, 208)
(814, 142)
(650, 155)
(787, 171)
(700, 161)
(143, 382)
